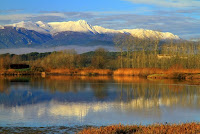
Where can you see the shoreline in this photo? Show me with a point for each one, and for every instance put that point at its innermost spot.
(189, 128)
(148, 73)
(192, 127)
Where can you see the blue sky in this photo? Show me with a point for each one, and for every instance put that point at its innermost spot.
(181, 17)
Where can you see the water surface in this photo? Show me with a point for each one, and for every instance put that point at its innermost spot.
(78, 101)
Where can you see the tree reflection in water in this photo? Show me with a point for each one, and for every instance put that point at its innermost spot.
(81, 99)
(136, 92)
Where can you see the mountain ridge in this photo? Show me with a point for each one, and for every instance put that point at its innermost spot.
(84, 26)
(80, 33)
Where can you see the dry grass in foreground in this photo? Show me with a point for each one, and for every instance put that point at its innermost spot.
(188, 128)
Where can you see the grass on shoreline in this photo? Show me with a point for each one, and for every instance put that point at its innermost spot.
(150, 73)
(189, 128)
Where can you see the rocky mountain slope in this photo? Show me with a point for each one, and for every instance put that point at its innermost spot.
(33, 34)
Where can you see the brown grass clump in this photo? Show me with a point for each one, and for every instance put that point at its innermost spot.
(96, 78)
(95, 72)
(118, 129)
(189, 128)
(180, 70)
(188, 71)
(138, 71)
(176, 71)
(83, 72)
(60, 71)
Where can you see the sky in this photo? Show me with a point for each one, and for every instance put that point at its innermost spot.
(180, 17)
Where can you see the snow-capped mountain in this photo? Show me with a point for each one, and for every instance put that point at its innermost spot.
(75, 26)
(44, 26)
(142, 33)
(30, 26)
(102, 30)
(83, 26)
(75, 33)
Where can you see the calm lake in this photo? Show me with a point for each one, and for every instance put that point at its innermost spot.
(78, 101)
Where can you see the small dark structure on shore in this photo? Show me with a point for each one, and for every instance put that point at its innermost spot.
(19, 66)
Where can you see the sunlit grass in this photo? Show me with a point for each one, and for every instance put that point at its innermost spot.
(189, 128)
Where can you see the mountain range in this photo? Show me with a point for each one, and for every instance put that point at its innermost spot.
(52, 34)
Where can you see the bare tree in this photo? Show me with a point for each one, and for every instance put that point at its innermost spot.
(100, 58)
(118, 40)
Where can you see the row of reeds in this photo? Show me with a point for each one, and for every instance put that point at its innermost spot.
(83, 72)
(188, 128)
(14, 72)
(156, 73)
(138, 71)
(122, 71)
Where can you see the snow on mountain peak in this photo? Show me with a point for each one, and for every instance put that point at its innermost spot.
(76, 26)
(40, 24)
(82, 22)
(83, 26)
(43, 25)
(30, 26)
(102, 30)
(143, 33)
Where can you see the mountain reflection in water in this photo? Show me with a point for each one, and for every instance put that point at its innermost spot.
(70, 101)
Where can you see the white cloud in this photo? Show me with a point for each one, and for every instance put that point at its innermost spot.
(15, 17)
(169, 3)
(45, 16)
(27, 17)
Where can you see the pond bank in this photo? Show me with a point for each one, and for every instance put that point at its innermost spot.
(42, 130)
(188, 128)
(180, 76)
(150, 73)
